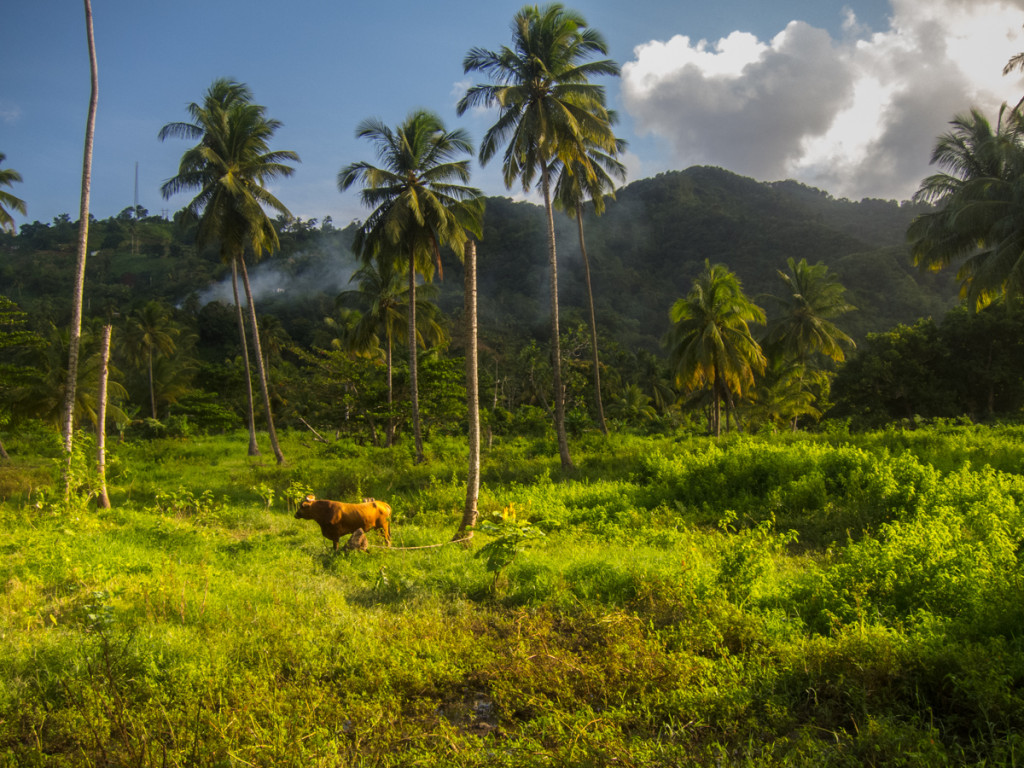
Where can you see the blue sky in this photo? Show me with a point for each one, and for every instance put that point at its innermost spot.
(844, 96)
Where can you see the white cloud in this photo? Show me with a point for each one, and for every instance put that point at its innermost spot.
(856, 116)
(9, 113)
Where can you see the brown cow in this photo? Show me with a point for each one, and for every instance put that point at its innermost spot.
(337, 519)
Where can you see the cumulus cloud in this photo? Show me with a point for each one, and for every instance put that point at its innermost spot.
(857, 116)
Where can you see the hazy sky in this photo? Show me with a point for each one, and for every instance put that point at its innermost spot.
(848, 97)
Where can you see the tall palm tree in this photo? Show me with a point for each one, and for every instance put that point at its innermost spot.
(804, 326)
(710, 342)
(383, 293)
(83, 240)
(420, 203)
(980, 194)
(230, 167)
(802, 331)
(548, 111)
(576, 184)
(8, 201)
(149, 333)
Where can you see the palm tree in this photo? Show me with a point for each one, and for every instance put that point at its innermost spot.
(83, 241)
(980, 222)
(8, 201)
(150, 332)
(803, 328)
(420, 203)
(710, 343)
(548, 111)
(42, 397)
(229, 168)
(804, 325)
(383, 292)
(573, 188)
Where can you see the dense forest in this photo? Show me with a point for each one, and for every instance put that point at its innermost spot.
(646, 249)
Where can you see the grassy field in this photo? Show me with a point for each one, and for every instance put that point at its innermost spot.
(828, 600)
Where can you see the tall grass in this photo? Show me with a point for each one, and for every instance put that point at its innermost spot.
(828, 600)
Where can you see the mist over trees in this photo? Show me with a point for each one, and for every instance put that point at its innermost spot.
(645, 252)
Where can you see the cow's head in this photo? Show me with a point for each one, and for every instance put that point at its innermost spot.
(302, 513)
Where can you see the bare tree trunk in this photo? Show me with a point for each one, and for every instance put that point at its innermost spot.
(556, 347)
(3, 452)
(152, 386)
(254, 449)
(593, 324)
(258, 354)
(83, 243)
(413, 369)
(390, 435)
(469, 513)
(103, 500)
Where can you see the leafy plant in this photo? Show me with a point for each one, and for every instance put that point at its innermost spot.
(511, 536)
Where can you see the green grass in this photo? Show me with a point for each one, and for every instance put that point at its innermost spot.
(800, 600)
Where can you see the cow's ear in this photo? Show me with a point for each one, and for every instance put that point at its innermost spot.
(310, 497)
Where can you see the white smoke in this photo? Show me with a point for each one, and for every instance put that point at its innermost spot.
(271, 280)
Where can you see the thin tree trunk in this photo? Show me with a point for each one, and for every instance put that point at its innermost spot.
(3, 452)
(469, 513)
(556, 347)
(103, 500)
(413, 369)
(83, 243)
(254, 449)
(593, 324)
(390, 436)
(258, 354)
(152, 388)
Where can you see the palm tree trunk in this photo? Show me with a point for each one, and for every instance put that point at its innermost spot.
(83, 243)
(413, 370)
(152, 387)
(593, 324)
(103, 500)
(556, 349)
(469, 513)
(716, 405)
(390, 436)
(254, 449)
(258, 354)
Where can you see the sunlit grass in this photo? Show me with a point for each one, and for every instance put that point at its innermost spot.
(668, 615)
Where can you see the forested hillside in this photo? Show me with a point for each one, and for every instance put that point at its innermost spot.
(646, 250)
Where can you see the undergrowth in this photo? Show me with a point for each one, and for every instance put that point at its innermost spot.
(830, 600)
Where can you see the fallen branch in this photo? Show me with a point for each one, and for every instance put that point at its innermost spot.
(316, 434)
(425, 546)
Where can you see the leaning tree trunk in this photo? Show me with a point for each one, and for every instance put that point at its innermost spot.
(103, 500)
(556, 347)
(414, 388)
(469, 513)
(258, 354)
(593, 324)
(254, 449)
(83, 242)
(3, 452)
